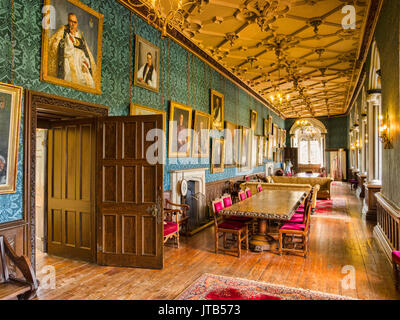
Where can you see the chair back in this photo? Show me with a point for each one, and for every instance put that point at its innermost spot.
(227, 199)
(242, 195)
(248, 193)
(217, 206)
(308, 208)
(259, 188)
(314, 196)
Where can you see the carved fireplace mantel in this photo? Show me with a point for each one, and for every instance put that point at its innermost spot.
(197, 174)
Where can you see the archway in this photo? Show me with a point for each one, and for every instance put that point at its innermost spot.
(308, 135)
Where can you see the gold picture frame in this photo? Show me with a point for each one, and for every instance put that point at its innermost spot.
(204, 152)
(88, 78)
(260, 151)
(145, 50)
(270, 125)
(279, 138)
(177, 112)
(266, 128)
(284, 138)
(217, 110)
(139, 110)
(270, 154)
(231, 157)
(275, 134)
(218, 153)
(10, 122)
(244, 161)
(253, 120)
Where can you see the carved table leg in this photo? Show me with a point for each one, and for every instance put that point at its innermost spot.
(262, 241)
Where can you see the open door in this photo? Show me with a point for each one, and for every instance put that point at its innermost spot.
(70, 200)
(129, 194)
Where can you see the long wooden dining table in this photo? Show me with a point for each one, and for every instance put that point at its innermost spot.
(267, 205)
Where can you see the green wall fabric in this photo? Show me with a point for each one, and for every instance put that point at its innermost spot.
(115, 82)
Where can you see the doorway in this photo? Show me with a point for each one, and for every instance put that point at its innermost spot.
(104, 199)
(59, 175)
(65, 183)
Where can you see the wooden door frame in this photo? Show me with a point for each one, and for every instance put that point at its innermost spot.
(44, 101)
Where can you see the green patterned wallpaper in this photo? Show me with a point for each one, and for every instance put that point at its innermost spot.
(179, 68)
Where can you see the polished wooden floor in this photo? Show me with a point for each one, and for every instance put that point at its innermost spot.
(336, 242)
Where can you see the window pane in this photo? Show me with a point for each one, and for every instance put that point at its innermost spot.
(303, 152)
(315, 152)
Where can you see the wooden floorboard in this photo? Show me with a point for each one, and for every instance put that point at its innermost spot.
(335, 242)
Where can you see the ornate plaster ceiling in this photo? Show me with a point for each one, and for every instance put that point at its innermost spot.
(317, 56)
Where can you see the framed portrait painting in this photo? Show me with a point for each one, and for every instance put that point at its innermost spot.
(270, 125)
(217, 110)
(284, 138)
(217, 158)
(253, 120)
(201, 138)
(260, 151)
(245, 149)
(275, 134)
(147, 64)
(231, 144)
(72, 45)
(180, 124)
(138, 110)
(270, 151)
(266, 128)
(279, 139)
(10, 115)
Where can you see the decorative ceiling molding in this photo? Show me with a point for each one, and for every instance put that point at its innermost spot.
(294, 47)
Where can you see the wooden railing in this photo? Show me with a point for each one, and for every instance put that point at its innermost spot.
(388, 224)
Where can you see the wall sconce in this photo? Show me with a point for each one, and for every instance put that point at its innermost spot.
(384, 133)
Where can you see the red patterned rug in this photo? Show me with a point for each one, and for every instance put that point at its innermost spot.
(331, 207)
(213, 287)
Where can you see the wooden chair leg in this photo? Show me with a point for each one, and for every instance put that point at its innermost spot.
(396, 276)
(247, 239)
(177, 239)
(280, 243)
(224, 240)
(239, 242)
(216, 242)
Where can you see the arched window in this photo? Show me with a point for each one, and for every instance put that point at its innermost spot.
(308, 135)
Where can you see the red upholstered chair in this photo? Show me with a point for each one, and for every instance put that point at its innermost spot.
(182, 214)
(396, 268)
(171, 227)
(242, 196)
(354, 183)
(227, 199)
(259, 188)
(293, 236)
(237, 229)
(248, 193)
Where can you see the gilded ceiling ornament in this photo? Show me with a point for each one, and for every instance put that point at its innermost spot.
(231, 37)
(263, 12)
(315, 23)
(191, 29)
(217, 20)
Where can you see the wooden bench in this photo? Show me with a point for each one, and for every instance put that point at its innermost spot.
(12, 288)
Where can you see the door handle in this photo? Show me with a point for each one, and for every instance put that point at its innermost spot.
(155, 211)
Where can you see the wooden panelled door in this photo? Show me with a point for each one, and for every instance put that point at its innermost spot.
(129, 191)
(71, 202)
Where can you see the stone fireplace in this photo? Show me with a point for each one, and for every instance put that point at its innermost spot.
(196, 175)
(269, 169)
